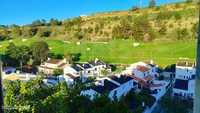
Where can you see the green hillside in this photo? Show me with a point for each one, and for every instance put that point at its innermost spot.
(165, 34)
(121, 51)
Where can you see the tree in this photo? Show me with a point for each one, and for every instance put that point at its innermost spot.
(68, 57)
(29, 31)
(21, 54)
(79, 35)
(182, 33)
(75, 57)
(142, 29)
(12, 90)
(189, 1)
(54, 22)
(194, 30)
(15, 30)
(58, 72)
(4, 34)
(40, 51)
(44, 32)
(104, 72)
(175, 105)
(152, 3)
(177, 15)
(163, 29)
(12, 51)
(38, 23)
(124, 30)
(24, 52)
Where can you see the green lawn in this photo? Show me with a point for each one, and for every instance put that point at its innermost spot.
(121, 51)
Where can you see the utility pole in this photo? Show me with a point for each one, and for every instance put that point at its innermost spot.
(1, 89)
(197, 78)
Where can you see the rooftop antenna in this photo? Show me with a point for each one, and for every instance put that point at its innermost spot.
(197, 78)
(1, 89)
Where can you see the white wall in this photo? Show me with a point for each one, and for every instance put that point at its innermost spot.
(70, 70)
(67, 79)
(185, 72)
(186, 93)
(124, 88)
(90, 93)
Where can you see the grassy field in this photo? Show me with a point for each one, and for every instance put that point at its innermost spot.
(120, 51)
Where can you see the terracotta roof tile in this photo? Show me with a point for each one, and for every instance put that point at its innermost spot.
(142, 68)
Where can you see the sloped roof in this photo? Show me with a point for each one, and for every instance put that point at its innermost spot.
(181, 84)
(122, 79)
(77, 68)
(107, 87)
(53, 61)
(72, 76)
(142, 68)
(97, 62)
(85, 66)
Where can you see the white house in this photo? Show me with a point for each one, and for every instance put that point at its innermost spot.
(159, 88)
(103, 87)
(73, 70)
(85, 70)
(145, 74)
(115, 86)
(184, 80)
(126, 84)
(185, 70)
(142, 69)
(69, 79)
(50, 65)
(184, 88)
(99, 65)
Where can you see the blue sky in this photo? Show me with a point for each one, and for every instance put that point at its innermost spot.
(25, 11)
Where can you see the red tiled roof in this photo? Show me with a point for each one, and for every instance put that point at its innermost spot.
(140, 81)
(144, 83)
(142, 68)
